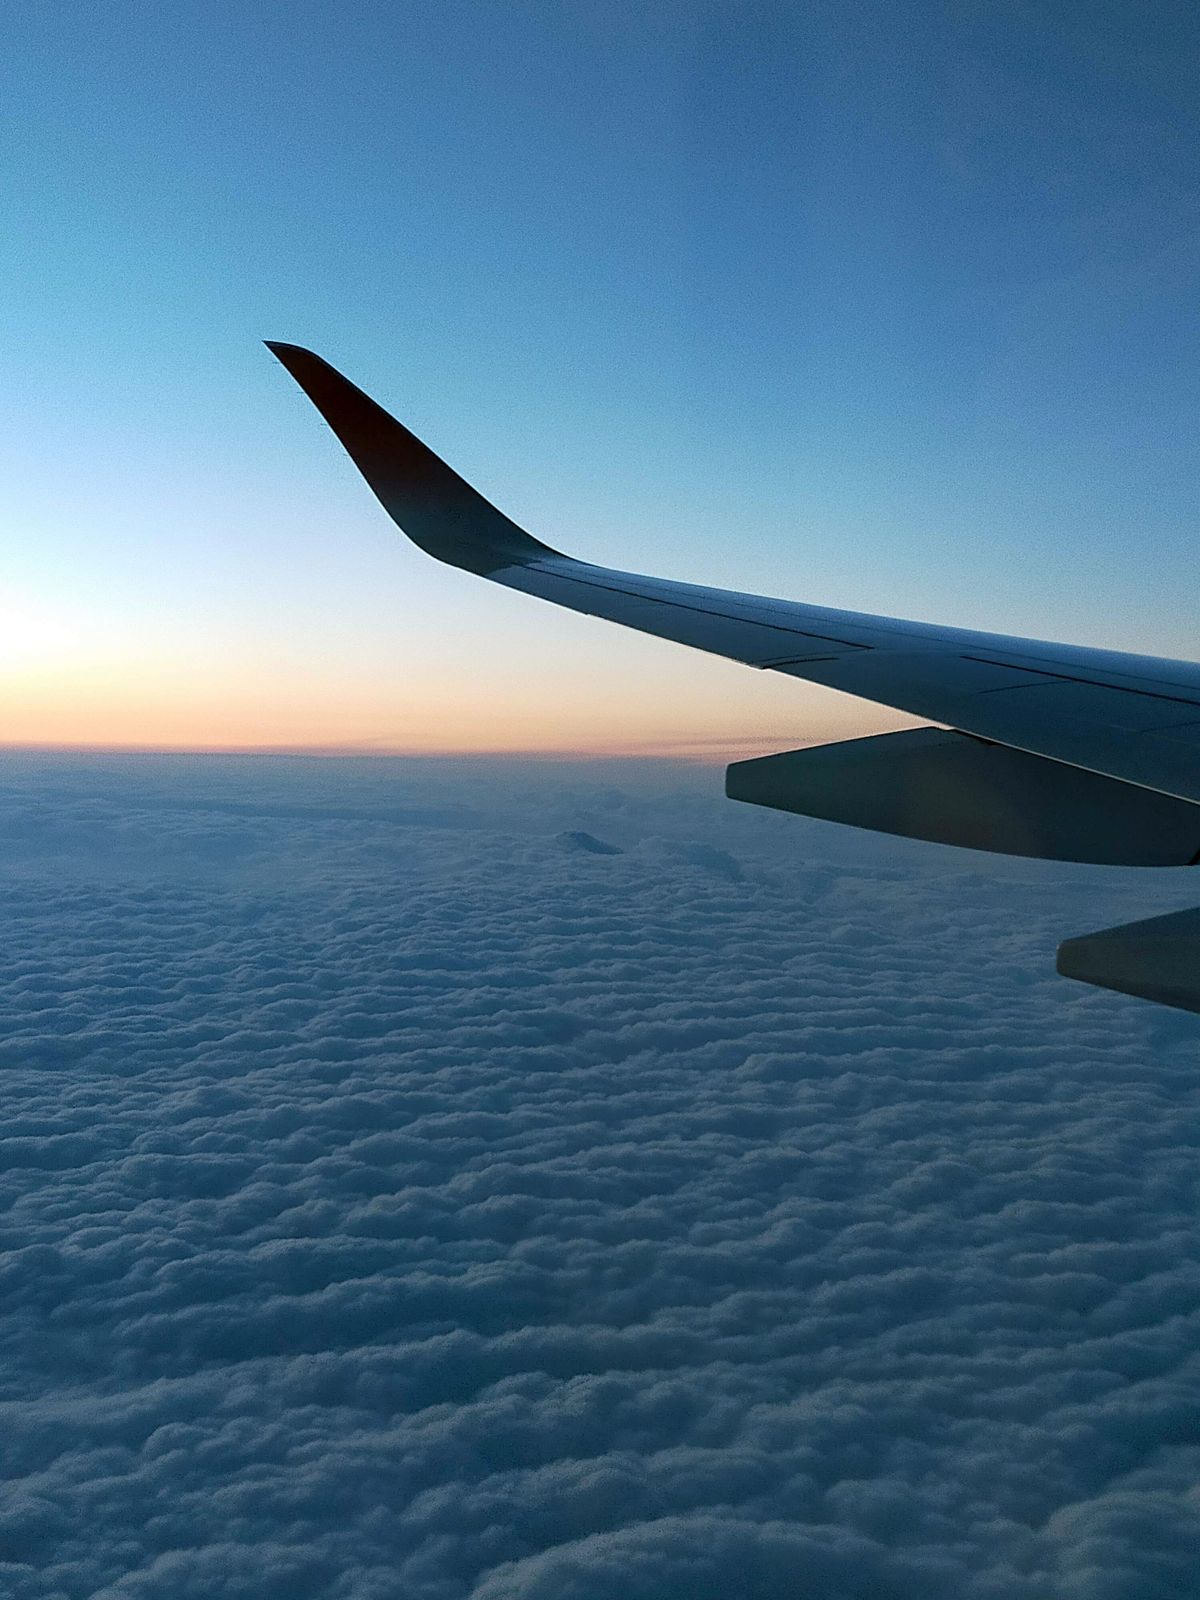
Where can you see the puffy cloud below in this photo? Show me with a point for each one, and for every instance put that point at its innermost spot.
(403, 1197)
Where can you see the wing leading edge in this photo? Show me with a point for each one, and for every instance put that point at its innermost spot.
(1125, 725)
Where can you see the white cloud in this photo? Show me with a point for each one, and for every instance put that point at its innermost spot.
(398, 1203)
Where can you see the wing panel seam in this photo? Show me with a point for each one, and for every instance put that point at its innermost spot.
(1067, 677)
(700, 611)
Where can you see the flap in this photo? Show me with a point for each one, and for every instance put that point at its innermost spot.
(928, 783)
(1158, 959)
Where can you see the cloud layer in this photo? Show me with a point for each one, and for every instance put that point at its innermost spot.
(474, 1180)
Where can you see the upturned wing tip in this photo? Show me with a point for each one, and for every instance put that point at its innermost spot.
(438, 510)
(295, 357)
(276, 346)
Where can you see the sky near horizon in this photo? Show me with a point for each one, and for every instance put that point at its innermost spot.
(889, 308)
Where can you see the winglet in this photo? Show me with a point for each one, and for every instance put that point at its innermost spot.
(427, 499)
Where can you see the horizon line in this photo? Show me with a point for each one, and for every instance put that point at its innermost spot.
(701, 752)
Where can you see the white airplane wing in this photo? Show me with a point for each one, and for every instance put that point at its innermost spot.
(1046, 749)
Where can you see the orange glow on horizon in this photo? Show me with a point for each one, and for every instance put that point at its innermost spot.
(714, 753)
(469, 732)
(128, 696)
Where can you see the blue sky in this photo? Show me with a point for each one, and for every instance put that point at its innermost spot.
(893, 308)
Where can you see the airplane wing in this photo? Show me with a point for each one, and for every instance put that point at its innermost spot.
(1045, 749)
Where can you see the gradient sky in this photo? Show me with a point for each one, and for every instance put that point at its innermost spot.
(887, 307)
